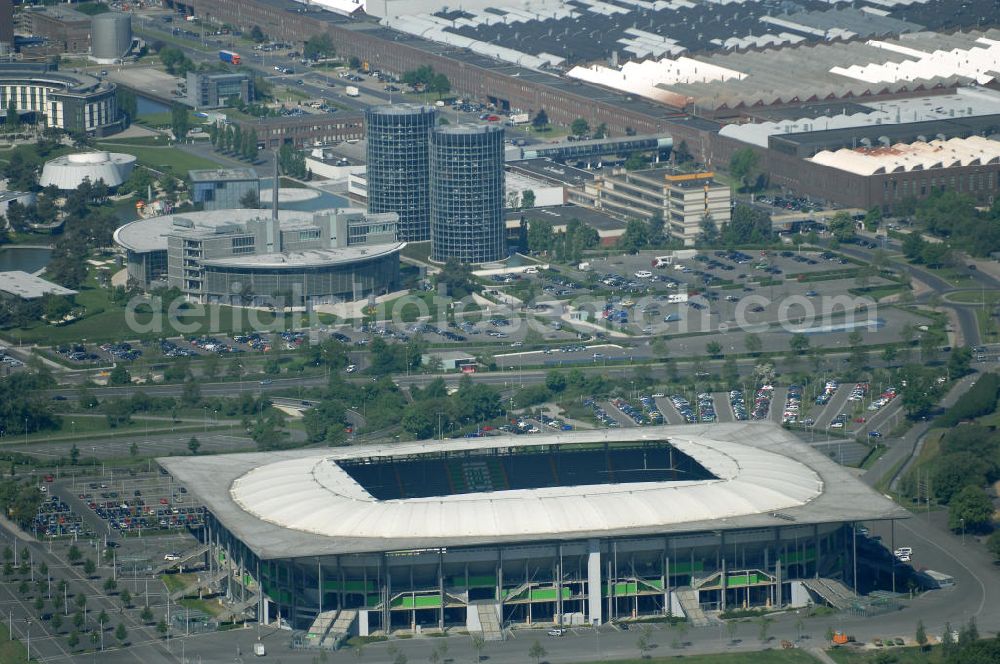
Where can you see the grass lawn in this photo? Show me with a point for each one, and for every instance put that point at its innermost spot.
(139, 141)
(175, 582)
(11, 651)
(106, 321)
(909, 655)
(987, 327)
(419, 251)
(764, 657)
(170, 159)
(211, 607)
(974, 297)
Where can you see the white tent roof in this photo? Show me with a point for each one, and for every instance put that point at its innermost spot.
(316, 495)
(297, 503)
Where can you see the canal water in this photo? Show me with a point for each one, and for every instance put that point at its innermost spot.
(26, 259)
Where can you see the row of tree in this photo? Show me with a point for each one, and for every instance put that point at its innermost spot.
(233, 140)
(540, 236)
(425, 78)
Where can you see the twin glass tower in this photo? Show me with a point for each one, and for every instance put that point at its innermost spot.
(446, 183)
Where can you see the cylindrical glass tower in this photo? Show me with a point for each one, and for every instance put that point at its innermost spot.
(398, 172)
(467, 193)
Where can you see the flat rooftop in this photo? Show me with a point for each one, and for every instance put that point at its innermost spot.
(551, 171)
(28, 286)
(560, 215)
(310, 258)
(145, 235)
(223, 175)
(302, 503)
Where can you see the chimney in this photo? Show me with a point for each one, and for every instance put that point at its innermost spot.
(275, 226)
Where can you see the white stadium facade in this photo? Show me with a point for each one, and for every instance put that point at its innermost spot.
(577, 528)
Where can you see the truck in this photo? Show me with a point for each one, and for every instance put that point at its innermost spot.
(352, 91)
(519, 118)
(675, 298)
(230, 57)
(259, 650)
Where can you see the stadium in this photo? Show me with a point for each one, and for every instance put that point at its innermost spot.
(576, 528)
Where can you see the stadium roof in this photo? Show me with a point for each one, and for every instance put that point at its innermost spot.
(301, 503)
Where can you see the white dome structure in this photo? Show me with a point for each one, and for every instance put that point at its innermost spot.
(69, 171)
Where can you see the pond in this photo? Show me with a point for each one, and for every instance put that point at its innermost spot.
(147, 106)
(27, 259)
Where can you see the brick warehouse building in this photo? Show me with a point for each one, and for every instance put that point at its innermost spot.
(508, 86)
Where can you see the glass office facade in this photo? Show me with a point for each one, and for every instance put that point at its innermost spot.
(467, 193)
(398, 167)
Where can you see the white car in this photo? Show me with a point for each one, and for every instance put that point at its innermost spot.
(643, 274)
(556, 632)
(351, 368)
(171, 557)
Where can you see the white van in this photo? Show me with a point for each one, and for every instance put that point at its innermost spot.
(643, 274)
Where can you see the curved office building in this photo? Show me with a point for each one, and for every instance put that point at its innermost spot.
(398, 172)
(69, 101)
(467, 193)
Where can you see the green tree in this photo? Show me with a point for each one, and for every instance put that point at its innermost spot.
(743, 166)
(635, 238)
(842, 227)
(873, 218)
(971, 507)
(921, 635)
(527, 199)
(257, 34)
(194, 445)
(119, 375)
(799, 343)
(56, 622)
(555, 381)
(713, 348)
(636, 161)
(73, 555)
(753, 343)
(161, 628)
(993, 544)
(110, 585)
(959, 362)
(121, 633)
(709, 231)
(765, 628)
(913, 247)
(13, 121)
(179, 122)
(478, 643)
(126, 597)
(89, 567)
(579, 127)
(537, 651)
(541, 119)
(146, 615)
(318, 46)
(73, 640)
